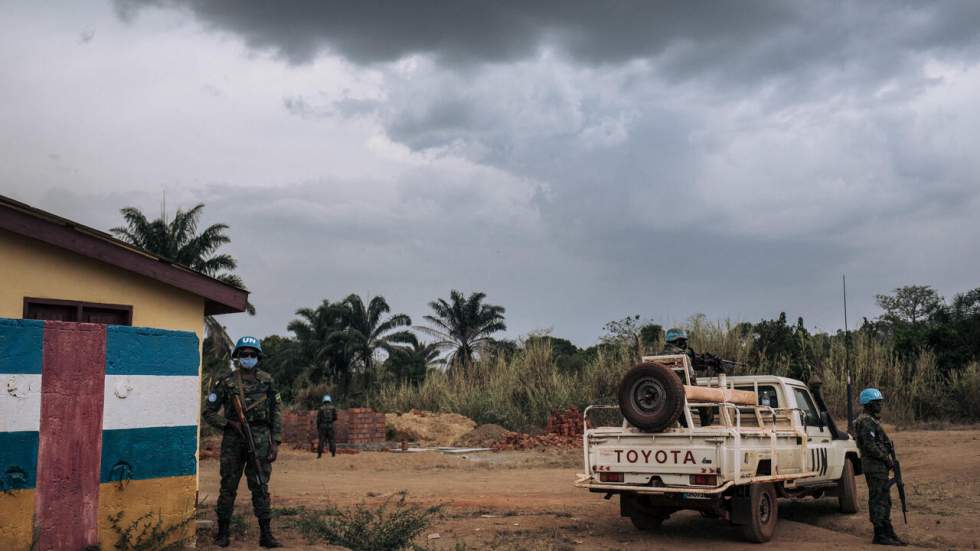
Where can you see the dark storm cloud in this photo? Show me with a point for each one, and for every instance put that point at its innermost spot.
(673, 157)
(747, 40)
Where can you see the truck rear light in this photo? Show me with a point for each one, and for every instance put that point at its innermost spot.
(704, 480)
(610, 477)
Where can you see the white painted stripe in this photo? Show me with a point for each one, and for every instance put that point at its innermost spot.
(138, 401)
(20, 402)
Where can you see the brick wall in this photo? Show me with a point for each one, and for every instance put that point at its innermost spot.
(353, 426)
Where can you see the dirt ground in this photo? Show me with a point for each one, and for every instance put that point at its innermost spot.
(525, 500)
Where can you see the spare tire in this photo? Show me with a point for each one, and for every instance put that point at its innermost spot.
(651, 397)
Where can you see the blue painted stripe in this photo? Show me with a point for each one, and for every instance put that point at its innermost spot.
(18, 460)
(21, 342)
(146, 351)
(151, 452)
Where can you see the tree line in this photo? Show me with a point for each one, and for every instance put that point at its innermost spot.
(353, 346)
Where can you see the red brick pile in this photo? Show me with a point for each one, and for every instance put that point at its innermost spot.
(565, 422)
(521, 441)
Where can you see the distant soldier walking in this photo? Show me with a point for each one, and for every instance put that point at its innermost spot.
(252, 425)
(876, 460)
(325, 416)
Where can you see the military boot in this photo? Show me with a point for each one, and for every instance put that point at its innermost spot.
(221, 538)
(266, 539)
(893, 535)
(882, 537)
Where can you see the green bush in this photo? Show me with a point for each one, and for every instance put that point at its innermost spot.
(391, 526)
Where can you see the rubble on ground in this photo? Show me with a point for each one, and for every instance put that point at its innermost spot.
(483, 436)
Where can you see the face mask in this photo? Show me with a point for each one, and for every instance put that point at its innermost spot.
(248, 363)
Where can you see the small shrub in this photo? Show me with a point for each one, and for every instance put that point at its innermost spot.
(389, 527)
(143, 534)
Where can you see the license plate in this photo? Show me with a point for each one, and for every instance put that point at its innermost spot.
(687, 495)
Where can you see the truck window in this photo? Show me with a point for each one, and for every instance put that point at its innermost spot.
(805, 403)
(767, 395)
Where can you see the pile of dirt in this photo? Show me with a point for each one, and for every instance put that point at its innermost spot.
(427, 428)
(521, 441)
(484, 436)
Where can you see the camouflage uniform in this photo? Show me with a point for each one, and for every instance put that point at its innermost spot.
(325, 416)
(874, 445)
(263, 415)
(705, 414)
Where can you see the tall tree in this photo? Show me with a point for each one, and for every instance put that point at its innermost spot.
(367, 329)
(910, 304)
(179, 241)
(465, 325)
(411, 363)
(322, 347)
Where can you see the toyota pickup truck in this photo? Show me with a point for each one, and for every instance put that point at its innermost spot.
(728, 447)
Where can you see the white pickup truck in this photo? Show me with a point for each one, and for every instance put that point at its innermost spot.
(727, 446)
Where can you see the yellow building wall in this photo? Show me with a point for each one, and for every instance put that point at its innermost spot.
(30, 268)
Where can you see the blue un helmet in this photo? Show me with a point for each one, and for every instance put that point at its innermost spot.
(676, 334)
(247, 342)
(326, 399)
(869, 395)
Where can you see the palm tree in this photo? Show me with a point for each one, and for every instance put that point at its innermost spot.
(464, 325)
(322, 346)
(179, 242)
(368, 331)
(411, 363)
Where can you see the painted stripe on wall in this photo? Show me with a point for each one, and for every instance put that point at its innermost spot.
(133, 401)
(146, 351)
(152, 452)
(20, 402)
(20, 346)
(18, 456)
(67, 503)
(169, 500)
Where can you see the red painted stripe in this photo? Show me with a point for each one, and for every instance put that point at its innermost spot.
(67, 503)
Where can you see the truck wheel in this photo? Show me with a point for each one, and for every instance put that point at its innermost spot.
(847, 490)
(646, 522)
(651, 397)
(763, 513)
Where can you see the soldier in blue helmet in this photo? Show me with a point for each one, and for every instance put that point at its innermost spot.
(262, 412)
(325, 417)
(876, 461)
(676, 343)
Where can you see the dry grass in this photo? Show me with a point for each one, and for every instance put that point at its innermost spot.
(520, 393)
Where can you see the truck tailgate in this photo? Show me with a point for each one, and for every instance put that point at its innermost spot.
(672, 459)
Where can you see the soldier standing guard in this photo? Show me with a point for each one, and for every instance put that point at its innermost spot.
(876, 461)
(260, 404)
(325, 416)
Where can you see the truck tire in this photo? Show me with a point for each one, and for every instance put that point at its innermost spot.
(651, 397)
(847, 489)
(762, 514)
(648, 522)
(644, 516)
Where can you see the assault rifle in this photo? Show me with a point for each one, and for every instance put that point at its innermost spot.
(706, 360)
(897, 481)
(246, 431)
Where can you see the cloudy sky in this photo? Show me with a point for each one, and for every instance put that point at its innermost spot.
(577, 161)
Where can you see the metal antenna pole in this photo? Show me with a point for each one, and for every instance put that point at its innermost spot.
(847, 362)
